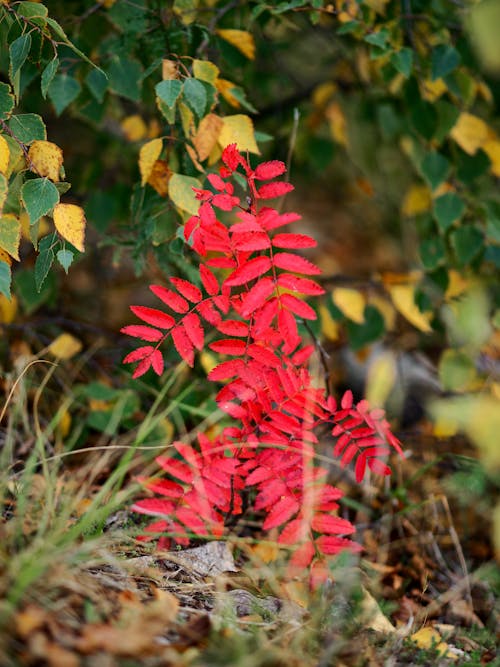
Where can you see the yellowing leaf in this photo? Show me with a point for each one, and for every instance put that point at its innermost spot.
(456, 285)
(206, 136)
(205, 71)
(417, 200)
(329, 327)
(470, 132)
(159, 177)
(185, 10)
(69, 220)
(403, 298)
(187, 118)
(8, 308)
(432, 90)
(337, 122)
(351, 302)
(27, 229)
(46, 158)
(134, 128)
(492, 150)
(381, 377)
(148, 155)
(180, 191)
(4, 155)
(10, 234)
(322, 93)
(65, 346)
(238, 130)
(240, 39)
(224, 87)
(169, 69)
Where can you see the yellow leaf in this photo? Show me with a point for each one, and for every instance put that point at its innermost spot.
(417, 200)
(240, 39)
(377, 5)
(207, 134)
(351, 302)
(432, 90)
(10, 234)
(208, 361)
(134, 128)
(180, 190)
(4, 155)
(26, 228)
(445, 428)
(386, 309)
(187, 119)
(456, 285)
(238, 129)
(154, 129)
(5, 257)
(429, 637)
(403, 298)
(65, 346)
(381, 378)
(224, 87)
(329, 327)
(69, 220)
(47, 159)
(159, 177)
(169, 69)
(194, 158)
(470, 132)
(8, 308)
(204, 70)
(148, 155)
(64, 424)
(185, 10)
(337, 122)
(322, 93)
(492, 150)
(265, 552)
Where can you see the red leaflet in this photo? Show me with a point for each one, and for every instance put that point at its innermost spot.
(143, 332)
(153, 316)
(274, 403)
(272, 190)
(296, 263)
(268, 170)
(293, 241)
(252, 269)
(187, 289)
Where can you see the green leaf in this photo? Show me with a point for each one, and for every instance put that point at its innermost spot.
(32, 10)
(424, 119)
(493, 229)
(448, 208)
(180, 191)
(65, 259)
(47, 76)
(371, 329)
(6, 101)
(97, 83)
(378, 39)
(39, 196)
(432, 252)
(456, 370)
(18, 52)
(125, 77)
(447, 117)
(195, 96)
(471, 167)
(130, 18)
(444, 59)
(62, 91)
(348, 27)
(467, 241)
(27, 127)
(59, 32)
(45, 259)
(240, 95)
(435, 168)
(10, 235)
(168, 91)
(4, 190)
(5, 279)
(403, 61)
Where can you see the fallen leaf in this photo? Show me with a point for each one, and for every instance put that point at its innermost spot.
(210, 559)
(69, 220)
(47, 159)
(148, 155)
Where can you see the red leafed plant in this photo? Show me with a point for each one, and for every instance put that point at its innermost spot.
(265, 461)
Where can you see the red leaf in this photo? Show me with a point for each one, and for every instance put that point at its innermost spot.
(229, 346)
(165, 487)
(187, 289)
(297, 306)
(143, 332)
(208, 312)
(257, 296)
(296, 263)
(263, 355)
(346, 403)
(300, 285)
(294, 531)
(153, 316)
(209, 280)
(272, 190)
(302, 355)
(216, 182)
(378, 467)
(157, 362)
(326, 523)
(302, 556)
(269, 218)
(231, 157)
(332, 545)
(183, 344)
(153, 507)
(226, 370)
(176, 468)
(194, 330)
(138, 353)
(252, 269)
(142, 367)
(268, 170)
(233, 328)
(293, 241)
(173, 300)
(252, 241)
(288, 328)
(282, 511)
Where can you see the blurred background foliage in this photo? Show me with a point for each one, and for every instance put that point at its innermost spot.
(386, 113)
